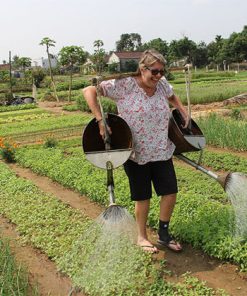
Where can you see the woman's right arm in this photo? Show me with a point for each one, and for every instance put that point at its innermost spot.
(90, 96)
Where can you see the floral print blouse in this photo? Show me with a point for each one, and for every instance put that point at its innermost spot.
(147, 117)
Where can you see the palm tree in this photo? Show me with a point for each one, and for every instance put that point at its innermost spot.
(98, 44)
(48, 43)
(98, 56)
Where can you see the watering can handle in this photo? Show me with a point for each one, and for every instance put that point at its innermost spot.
(187, 83)
(107, 140)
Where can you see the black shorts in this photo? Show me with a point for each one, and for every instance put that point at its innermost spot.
(141, 177)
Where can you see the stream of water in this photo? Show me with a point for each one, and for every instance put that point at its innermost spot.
(236, 189)
(105, 260)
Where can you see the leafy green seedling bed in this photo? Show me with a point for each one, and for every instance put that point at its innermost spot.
(58, 231)
(198, 219)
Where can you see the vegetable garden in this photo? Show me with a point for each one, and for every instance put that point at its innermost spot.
(203, 216)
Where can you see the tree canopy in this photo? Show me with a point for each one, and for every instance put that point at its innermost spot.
(71, 55)
(219, 51)
(129, 42)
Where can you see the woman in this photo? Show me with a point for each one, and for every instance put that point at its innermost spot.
(143, 102)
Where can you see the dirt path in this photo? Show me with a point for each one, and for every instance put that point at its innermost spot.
(217, 273)
(56, 107)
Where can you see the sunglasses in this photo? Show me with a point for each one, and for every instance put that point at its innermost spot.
(156, 71)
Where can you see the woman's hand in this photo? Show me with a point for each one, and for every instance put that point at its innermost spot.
(186, 118)
(176, 103)
(102, 128)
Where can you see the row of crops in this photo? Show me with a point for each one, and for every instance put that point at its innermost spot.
(203, 216)
(205, 88)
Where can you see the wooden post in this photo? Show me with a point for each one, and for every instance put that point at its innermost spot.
(10, 75)
(34, 91)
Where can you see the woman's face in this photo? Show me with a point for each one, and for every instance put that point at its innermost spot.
(151, 75)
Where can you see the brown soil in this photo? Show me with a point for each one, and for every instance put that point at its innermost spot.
(56, 107)
(216, 273)
(221, 108)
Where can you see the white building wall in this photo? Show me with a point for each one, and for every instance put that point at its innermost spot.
(113, 59)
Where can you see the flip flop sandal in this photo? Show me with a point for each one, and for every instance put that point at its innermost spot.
(169, 244)
(150, 249)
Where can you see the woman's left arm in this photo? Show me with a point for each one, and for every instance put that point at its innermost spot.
(176, 103)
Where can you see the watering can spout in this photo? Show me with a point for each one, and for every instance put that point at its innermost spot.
(224, 179)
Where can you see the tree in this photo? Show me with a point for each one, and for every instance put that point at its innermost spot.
(237, 46)
(182, 48)
(129, 42)
(217, 50)
(15, 63)
(49, 43)
(200, 55)
(24, 62)
(38, 75)
(99, 56)
(98, 44)
(158, 44)
(69, 56)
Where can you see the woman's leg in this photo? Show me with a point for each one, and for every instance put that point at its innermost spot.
(141, 213)
(140, 187)
(167, 204)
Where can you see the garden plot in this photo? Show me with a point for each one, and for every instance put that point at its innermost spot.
(200, 201)
(53, 227)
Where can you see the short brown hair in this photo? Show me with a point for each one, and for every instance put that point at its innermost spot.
(149, 57)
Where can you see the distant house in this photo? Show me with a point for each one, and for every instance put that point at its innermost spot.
(88, 67)
(179, 63)
(124, 59)
(4, 67)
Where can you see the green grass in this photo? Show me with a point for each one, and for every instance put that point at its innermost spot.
(27, 116)
(17, 107)
(224, 132)
(204, 92)
(20, 113)
(13, 277)
(221, 161)
(46, 124)
(207, 87)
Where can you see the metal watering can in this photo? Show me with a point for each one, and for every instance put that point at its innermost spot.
(113, 156)
(189, 140)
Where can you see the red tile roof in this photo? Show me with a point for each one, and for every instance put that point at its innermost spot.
(4, 66)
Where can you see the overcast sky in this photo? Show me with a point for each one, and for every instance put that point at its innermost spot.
(24, 23)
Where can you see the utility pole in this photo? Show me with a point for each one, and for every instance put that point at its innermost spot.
(10, 75)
